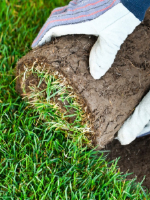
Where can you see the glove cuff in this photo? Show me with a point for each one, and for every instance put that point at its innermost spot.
(137, 7)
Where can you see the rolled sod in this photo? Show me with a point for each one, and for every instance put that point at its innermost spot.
(107, 102)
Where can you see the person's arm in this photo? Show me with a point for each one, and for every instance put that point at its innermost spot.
(137, 7)
(112, 21)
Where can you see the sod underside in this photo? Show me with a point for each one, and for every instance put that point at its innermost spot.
(107, 102)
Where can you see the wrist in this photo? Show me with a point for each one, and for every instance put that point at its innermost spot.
(137, 7)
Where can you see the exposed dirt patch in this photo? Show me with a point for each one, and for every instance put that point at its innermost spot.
(110, 100)
(134, 158)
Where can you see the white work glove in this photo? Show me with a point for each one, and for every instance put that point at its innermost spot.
(138, 124)
(112, 21)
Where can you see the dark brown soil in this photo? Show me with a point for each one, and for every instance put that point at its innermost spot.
(110, 100)
(134, 158)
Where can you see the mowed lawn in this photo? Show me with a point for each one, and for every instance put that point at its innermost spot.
(38, 159)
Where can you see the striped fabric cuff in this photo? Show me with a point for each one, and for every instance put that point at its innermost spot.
(77, 11)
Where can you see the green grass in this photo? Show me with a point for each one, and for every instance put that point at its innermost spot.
(38, 159)
(67, 116)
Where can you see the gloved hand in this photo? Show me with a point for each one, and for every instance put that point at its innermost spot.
(112, 21)
(138, 124)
